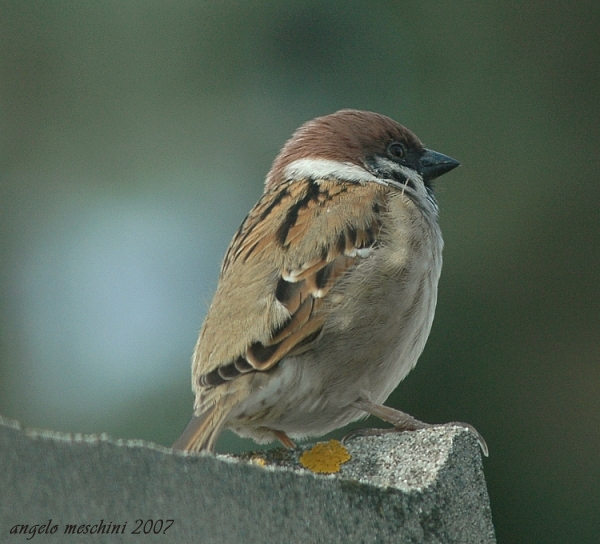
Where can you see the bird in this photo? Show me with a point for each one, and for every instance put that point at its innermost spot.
(327, 291)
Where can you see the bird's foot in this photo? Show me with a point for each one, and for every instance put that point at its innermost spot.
(401, 422)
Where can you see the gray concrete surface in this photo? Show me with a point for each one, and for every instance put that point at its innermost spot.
(426, 486)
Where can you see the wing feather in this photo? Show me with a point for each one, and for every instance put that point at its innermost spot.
(273, 297)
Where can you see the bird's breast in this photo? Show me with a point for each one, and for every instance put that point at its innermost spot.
(382, 311)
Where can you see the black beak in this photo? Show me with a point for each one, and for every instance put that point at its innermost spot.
(433, 164)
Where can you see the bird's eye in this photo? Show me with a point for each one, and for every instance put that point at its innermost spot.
(396, 150)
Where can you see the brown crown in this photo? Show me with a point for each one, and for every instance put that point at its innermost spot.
(347, 136)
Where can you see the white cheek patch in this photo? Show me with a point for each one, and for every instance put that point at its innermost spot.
(345, 171)
(327, 169)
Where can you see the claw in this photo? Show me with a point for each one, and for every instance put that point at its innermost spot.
(482, 443)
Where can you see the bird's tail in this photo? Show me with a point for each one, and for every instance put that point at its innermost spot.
(202, 431)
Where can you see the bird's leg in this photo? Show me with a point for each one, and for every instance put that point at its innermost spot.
(285, 440)
(401, 422)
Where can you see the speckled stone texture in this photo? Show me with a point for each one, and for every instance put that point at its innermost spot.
(425, 486)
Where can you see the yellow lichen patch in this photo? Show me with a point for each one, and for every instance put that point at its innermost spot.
(260, 461)
(325, 457)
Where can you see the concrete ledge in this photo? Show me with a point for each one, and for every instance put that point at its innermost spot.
(426, 486)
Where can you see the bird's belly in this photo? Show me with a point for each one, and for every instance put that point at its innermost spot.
(366, 355)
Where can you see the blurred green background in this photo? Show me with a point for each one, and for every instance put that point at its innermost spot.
(136, 135)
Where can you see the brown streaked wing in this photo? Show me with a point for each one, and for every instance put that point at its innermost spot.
(302, 288)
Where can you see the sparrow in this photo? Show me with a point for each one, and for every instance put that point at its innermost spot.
(328, 289)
